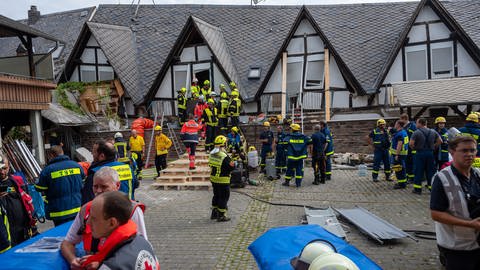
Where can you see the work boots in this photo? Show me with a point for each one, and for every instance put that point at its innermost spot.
(316, 180)
(214, 214)
(286, 183)
(222, 217)
(192, 162)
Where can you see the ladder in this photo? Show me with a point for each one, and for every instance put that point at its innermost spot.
(173, 136)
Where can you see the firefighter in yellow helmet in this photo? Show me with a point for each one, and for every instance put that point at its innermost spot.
(380, 141)
(221, 167)
(232, 85)
(206, 89)
(182, 105)
(441, 155)
(234, 108)
(266, 138)
(210, 119)
(222, 108)
(162, 144)
(296, 153)
(472, 129)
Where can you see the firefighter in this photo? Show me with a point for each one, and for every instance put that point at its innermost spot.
(266, 138)
(137, 146)
(221, 167)
(472, 129)
(201, 105)
(330, 149)
(234, 140)
(209, 118)
(399, 152)
(441, 156)
(222, 89)
(232, 85)
(319, 147)
(206, 90)
(297, 152)
(189, 133)
(222, 108)
(410, 128)
(162, 144)
(234, 108)
(281, 149)
(380, 141)
(194, 88)
(122, 148)
(182, 105)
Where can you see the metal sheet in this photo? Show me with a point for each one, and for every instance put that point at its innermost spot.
(373, 226)
(325, 218)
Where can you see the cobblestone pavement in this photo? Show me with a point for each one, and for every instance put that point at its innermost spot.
(184, 237)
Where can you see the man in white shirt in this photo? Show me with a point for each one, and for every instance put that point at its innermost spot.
(106, 179)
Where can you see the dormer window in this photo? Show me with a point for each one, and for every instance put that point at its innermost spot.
(254, 73)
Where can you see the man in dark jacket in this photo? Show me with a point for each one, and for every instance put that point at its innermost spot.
(319, 146)
(61, 181)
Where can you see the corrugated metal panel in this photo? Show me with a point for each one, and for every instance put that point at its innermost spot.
(455, 91)
(325, 218)
(312, 100)
(373, 226)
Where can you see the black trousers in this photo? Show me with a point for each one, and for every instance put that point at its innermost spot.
(221, 194)
(182, 115)
(234, 121)
(460, 259)
(318, 164)
(210, 137)
(139, 161)
(192, 146)
(160, 162)
(222, 124)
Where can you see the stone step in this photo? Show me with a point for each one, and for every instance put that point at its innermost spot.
(183, 171)
(183, 186)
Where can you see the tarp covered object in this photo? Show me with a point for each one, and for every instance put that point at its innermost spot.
(276, 247)
(11, 260)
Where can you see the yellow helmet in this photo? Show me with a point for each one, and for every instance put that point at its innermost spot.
(222, 86)
(232, 84)
(234, 93)
(220, 140)
(157, 128)
(440, 119)
(224, 95)
(266, 124)
(397, 167)
(235, 129)
(473, 117)
(381, 122)
(295, 127)
(210, 101)
(252, 148)
(206, 82)
(183, 89)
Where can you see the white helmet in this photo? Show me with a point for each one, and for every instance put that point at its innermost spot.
(118, 135)
(314, 249)
(335, 261)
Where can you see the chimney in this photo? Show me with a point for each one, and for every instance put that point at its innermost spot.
(33, 15)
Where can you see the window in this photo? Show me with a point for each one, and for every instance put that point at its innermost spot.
(254, 73)
(105, 73)
(88, 56)
(87, 74)
(442, 62)
(315, 67)
(56, 53)
(294, 78)
(416, 61)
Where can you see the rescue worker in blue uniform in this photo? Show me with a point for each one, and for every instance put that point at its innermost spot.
(380, 141)
(121, 147)
(319, 147)
(221, 167)
(410, 128)
(398, 152)
(296, 153)
(281, 149)
(234, 141)
(330, 149)
(441, 156)
(266, 138)
(104, 155)
(472, 128)
(61, 181)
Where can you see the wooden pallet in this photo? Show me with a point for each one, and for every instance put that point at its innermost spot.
(183, 186)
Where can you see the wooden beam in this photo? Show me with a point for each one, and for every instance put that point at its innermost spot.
(419, 114)
(327, 84)
(469, 108)
(284, 85)
(457, 111)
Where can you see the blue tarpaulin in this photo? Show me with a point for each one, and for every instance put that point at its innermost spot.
(276, 247)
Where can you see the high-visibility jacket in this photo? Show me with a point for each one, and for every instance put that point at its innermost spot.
(297, 145)
(380, 139)
(401, 136)
(88, 244)
(61, 181)
(328, 134)
(122, 150)
(209, 117)
(194, 89)
(222, 108)
(199, 108)
(235, 107)
(205, 92)
(182, 102)
(219, 164)
(136, 143)
(443, 149)
(472, 130)
(189, 131)
(162, 144)
(125, 174)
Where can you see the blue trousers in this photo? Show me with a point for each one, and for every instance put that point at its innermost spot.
(379, 156)
(281, 160)
(424, 166)
(410, 165)
(294, 168)
(401, 175)
(328, 167)
(266, 148)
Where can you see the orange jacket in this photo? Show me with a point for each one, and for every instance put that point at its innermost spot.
(140, 124)
(199, 110)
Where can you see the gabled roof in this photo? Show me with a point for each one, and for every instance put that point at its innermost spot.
(11, 28)
(216, 42)
(64, 26)
(438, 92)
(118, 44)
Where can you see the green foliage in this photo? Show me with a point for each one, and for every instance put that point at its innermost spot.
(62, 98)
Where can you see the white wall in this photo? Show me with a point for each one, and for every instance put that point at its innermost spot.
(250, 107)
(359, 101)
(336, 78)
(218, 79)
(466, 65)
(274, 85)
(340, 99)
(427, 14)
(395, 72)
(165, 89)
